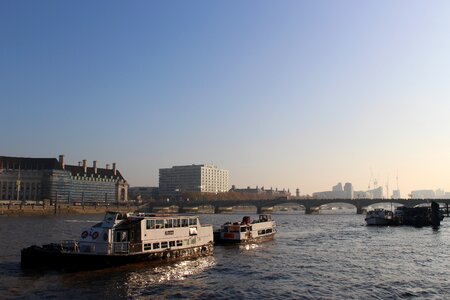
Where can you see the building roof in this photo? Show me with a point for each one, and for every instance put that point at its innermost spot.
(90, 171)
(27, 163)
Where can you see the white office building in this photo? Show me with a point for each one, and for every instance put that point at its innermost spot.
(193, 178)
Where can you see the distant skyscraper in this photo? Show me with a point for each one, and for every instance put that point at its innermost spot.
(337, 187)
(348, 190)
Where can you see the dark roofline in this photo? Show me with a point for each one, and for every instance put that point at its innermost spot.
(28, 163)
(90, 171)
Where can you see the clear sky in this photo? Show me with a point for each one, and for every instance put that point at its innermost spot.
(283, 94)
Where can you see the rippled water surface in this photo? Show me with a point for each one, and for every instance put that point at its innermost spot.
(312, 257)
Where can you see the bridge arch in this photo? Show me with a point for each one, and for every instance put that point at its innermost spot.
(386, 205)
(336, 208)
(289, 208)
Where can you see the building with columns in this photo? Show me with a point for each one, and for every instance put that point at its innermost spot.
(36, 179)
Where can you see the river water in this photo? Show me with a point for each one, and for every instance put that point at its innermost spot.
(312, 257)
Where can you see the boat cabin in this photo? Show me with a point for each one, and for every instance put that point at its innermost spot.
(134, 233)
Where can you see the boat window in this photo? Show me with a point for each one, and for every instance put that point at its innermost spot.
(121, 236)
(155, 245)
(185, 222)
(172, 244)
(262, 231)
(159, 224)
(263, 218)
(151, 224)
(148, 246)
(163, 245)
(193, 221)
(233, 229)
(176, 222)
(168, 223)
(179, 243)
(269, 230)
(243, 229)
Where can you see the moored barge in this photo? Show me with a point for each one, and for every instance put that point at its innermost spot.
(123, 238)
(412, 216)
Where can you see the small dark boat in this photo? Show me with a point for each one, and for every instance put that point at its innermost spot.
(379, 217)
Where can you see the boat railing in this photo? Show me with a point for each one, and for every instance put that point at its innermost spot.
(69, 246)
(121, 247)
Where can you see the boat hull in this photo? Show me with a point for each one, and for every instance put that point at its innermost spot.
(260, 239)
(373, 221)
(50, 256)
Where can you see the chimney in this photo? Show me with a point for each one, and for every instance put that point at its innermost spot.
(79, 163)
(114, 169)
(94, 165)
(84, 166)
(61, 161)
(107, 166)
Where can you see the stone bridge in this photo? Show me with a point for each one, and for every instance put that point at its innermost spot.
(309, 204)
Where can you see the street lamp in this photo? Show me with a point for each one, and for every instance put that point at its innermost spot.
(18, 188)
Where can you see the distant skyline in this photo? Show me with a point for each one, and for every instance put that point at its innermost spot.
(288, 94)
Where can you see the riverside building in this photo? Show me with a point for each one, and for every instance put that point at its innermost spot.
(36, 179)
(192, 178)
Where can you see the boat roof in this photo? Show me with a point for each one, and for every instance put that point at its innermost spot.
(151, 215)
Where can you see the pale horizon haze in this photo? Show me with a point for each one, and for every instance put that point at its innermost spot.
(286, 94)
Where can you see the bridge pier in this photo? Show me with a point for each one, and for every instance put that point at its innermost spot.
(359, 210)
(308, 210)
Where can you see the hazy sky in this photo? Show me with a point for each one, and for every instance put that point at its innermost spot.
(283, 94)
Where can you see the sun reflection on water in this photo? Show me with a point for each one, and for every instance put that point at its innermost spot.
(249, 247)
(179, 271)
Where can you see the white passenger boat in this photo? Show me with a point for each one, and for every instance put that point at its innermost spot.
(380, 217)
(246, 231)
(123, 238)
